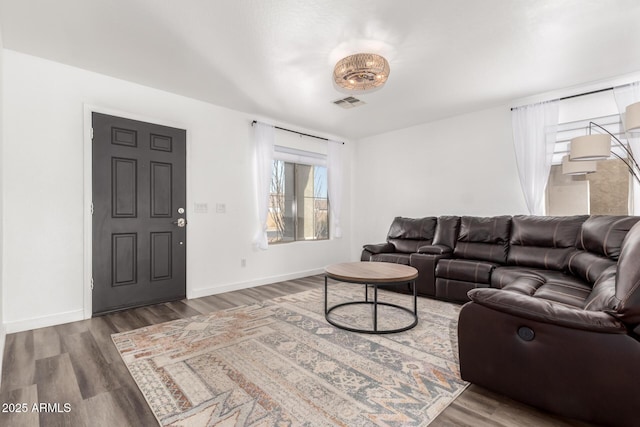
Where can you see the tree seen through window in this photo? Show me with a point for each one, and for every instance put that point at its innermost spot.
(298, 205)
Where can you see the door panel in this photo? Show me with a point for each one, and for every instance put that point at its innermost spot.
(124, 187)
(161, 185)
(161, 256)
(123, 261)
(139, 183)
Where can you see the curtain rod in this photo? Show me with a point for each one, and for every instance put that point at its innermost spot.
(299, 133)
(577, 95)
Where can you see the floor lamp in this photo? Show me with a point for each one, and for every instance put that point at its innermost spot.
(597, 146)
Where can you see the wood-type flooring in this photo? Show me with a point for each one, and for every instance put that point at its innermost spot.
(77, 364)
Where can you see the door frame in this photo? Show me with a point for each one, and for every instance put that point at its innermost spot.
(88, 191)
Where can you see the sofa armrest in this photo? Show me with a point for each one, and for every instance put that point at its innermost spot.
(435, 250)
(558, 370)
(426, 266)
(380, 248)
(545, 311)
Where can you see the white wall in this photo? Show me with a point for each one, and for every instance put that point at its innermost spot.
(44, 187)
(585, 107)
(2, 328)
(464, 165)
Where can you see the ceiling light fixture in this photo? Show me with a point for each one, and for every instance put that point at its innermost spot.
(362, 71)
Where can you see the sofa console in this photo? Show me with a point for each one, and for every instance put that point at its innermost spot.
(552, 313)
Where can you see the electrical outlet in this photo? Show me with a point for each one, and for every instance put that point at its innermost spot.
(243, 262)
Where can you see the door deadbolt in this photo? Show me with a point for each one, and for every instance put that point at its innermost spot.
(180, 222)
(180, 211)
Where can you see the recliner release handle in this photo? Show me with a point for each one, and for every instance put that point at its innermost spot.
(526, 333)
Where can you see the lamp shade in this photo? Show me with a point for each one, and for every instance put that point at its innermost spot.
(578, 167)
(632, 117)
(590, 147)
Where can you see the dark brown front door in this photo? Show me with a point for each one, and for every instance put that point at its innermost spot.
(139, 213)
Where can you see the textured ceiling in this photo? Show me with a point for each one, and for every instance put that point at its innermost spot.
(274, 58)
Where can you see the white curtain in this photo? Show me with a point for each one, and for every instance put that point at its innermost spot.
(534, 137)
(335, 177)
(264, 138)
(626, 95)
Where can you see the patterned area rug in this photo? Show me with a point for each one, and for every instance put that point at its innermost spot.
(280, 363)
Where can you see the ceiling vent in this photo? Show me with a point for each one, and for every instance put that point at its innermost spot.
(349, 102)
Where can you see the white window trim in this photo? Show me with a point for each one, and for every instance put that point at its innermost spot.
(294, 155)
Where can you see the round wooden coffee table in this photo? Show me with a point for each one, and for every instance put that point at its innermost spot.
(371, 274)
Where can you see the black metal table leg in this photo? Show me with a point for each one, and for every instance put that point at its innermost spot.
(415, 298)
(375, 307)
(326, 310)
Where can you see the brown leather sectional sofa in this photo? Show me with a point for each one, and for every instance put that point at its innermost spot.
(554, 312)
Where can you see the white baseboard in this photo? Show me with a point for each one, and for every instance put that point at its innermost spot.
(213, 290)
(76, 315)
(44, 321)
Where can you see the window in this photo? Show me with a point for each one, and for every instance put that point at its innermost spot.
(605, 192)
(298, 205)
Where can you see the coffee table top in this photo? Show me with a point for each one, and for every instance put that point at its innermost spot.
(371, 272)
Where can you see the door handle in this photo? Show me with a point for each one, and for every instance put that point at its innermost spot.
(180, 222)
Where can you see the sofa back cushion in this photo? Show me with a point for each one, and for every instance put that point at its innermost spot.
(543, 241)
(588, 266)
(599, 244)
(483, 238)
(603, 234)
(628, 279)
(602, 296)
(447, 231)
(408, 234)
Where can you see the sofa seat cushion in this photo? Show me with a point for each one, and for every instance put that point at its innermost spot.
(465, 270)
(455, 290)
(392, 257)
(544, 284)
(504, 275)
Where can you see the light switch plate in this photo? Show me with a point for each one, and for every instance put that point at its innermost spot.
(200, 207)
